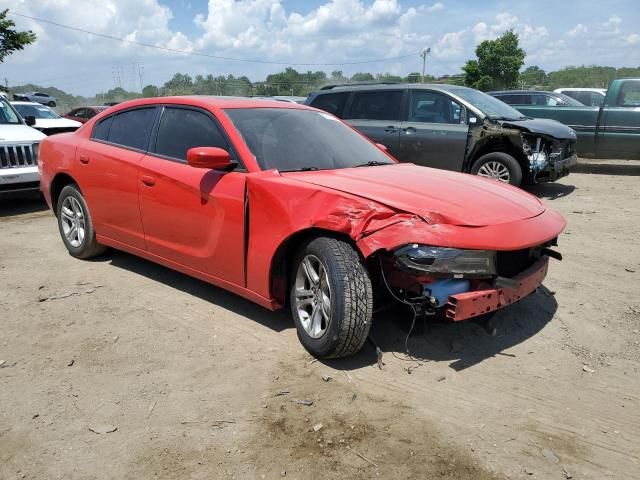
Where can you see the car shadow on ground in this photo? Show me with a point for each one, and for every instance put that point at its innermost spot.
(20, 204)
(277, 321)
(550, 191)
(462, 344)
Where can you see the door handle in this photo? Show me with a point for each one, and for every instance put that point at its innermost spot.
(409, 130)
(390, 129)
(83, 159)
(148, 181)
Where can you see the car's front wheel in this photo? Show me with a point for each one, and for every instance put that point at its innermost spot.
(75, 224)
(331, 298)
(498, 166)
(51, 104)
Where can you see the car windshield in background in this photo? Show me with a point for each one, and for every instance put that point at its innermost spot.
(7, 114)
(290, 139)
(38, 111)
(490, 106)
(569, 100)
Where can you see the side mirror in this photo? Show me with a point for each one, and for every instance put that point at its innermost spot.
(213, 158)
(30, 120)
(381, 146)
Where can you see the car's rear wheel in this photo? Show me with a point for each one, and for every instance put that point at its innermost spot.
(75, 224)
(498, 166)
(331, 298)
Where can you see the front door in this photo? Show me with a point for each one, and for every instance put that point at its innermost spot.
(376, 114)
(192, 216)
(435, 131)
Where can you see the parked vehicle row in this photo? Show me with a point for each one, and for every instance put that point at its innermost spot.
(286, 205)
(454, 128)
(610, 130)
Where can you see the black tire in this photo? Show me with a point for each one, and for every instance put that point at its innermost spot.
(87, 246)
(510, 163)
(351, 299)
(51, 104)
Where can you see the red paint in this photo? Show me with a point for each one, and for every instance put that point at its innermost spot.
(193, 219)
(484, 300)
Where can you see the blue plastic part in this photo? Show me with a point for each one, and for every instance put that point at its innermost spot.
(441, 289)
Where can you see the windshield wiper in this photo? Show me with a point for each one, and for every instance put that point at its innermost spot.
(372, 163)
(301, 169)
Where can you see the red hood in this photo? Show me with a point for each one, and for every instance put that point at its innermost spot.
(438, 196)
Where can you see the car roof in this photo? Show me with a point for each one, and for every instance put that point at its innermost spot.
(519, 92)
(21, 102)
(391, 86)
(209, 101)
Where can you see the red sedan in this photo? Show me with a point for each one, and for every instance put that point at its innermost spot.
(84, 114)
(286, 205)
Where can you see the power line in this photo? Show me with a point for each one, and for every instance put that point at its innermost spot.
(207, 55)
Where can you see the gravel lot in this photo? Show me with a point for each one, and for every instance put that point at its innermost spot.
(203, 384)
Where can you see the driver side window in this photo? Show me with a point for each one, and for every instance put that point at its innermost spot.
(432, 107)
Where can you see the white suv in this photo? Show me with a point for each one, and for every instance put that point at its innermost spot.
(18, 151)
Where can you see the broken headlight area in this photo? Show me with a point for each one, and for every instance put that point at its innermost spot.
(428, 276)
(538, 152)
(443, 261)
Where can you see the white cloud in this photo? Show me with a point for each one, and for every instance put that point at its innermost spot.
(579, 29)
(436, 7)
(632, 39)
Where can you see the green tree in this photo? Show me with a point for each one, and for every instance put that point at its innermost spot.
(10, 39)
(150, 91)
(180, 84)
(362, 77)
(533, 75)
(498, 63)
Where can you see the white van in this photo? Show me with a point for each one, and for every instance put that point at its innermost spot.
(592, 97)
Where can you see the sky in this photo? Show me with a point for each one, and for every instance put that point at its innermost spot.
(259, 37)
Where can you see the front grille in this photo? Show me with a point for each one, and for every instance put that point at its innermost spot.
(513, 262)
(13, 156)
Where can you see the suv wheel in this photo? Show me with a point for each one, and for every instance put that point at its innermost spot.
(331, 298)
(498, 166)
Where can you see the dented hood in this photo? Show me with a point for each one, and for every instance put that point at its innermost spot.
(438, 196)
(542, 126)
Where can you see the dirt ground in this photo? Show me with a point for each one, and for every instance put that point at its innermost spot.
(200, 383)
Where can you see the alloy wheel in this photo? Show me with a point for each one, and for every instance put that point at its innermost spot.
(496, 170)
(313, 296)
(73, 221)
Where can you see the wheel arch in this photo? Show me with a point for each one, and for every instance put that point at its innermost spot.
(60, 180)
(499, 144)
(283, 256)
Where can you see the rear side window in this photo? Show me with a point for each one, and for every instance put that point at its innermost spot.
(331, 102)
(181, 129)
(132, 128)
(376, 105)
(101, 130)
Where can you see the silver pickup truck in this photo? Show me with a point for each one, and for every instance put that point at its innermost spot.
(18, 151)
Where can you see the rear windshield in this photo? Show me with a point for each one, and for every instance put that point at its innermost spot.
(490, 106)
(289, 139)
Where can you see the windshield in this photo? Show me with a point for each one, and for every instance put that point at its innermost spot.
(569, 100)
(290, 139)
(7, 113)
(490, 106)
(38, 111)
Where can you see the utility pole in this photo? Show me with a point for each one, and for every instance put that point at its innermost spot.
(140, 67)
(423, 54)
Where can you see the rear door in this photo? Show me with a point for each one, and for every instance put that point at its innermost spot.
(377, 114)
(107, 171)
(435, 132)
(192, 216)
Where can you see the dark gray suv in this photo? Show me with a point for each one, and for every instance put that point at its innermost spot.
(453, 128)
